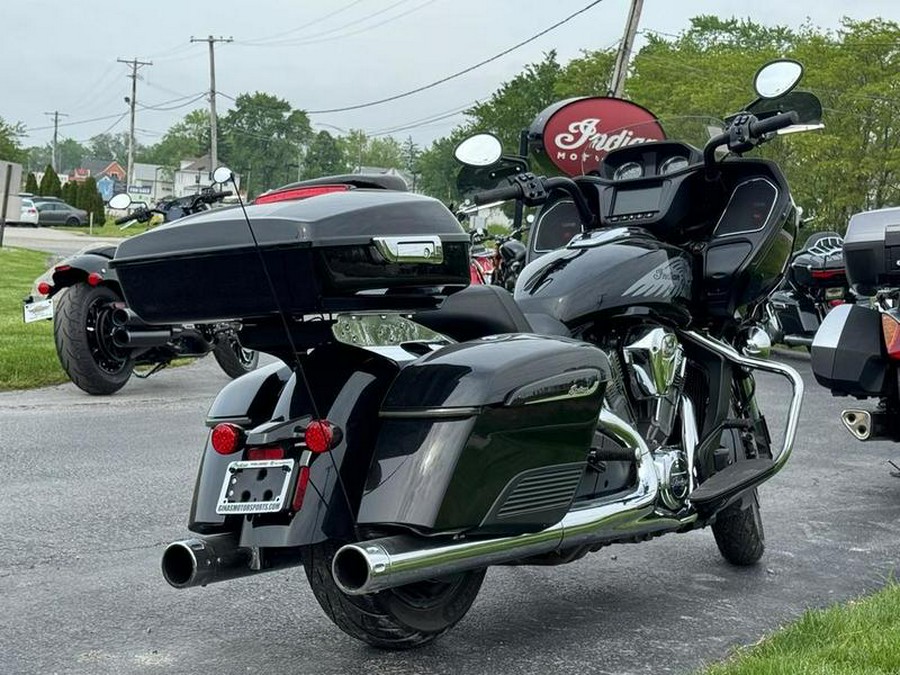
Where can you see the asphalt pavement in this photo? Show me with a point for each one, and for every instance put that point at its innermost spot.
(47, 239)
(93, 488)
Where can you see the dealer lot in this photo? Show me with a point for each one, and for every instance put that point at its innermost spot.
(94, 488)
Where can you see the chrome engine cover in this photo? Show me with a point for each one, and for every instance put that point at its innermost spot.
(674, 477)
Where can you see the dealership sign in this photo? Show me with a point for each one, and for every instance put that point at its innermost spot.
(575, 135)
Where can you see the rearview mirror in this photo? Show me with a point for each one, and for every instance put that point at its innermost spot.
(120, 201)
(777, 78)
(479, 150)
(223, 175)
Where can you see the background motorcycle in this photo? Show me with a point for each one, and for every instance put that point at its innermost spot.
(420, 429)
(816, 282)
(99, 341)
(856, 351)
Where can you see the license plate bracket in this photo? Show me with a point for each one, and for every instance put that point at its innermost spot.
(37, 310)
(255, 487)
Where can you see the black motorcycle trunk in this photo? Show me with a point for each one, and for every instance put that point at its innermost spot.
(872, 250)
(813, 270)
(493, 433)
(322, 255)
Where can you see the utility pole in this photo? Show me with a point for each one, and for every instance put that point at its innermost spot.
(617, 86)
(135, 65)
(213, 139)
(54, 160)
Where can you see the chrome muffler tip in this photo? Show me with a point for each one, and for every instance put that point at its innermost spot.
(858, 423)
(356, 568)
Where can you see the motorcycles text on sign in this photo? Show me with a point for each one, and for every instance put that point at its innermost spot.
(421, 429)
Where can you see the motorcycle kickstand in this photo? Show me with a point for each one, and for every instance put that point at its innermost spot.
(895, 474)
(155, 369)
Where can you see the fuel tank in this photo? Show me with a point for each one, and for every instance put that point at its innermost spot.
(613, 271)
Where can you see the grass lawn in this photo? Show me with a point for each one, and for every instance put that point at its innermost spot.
(27, 353)
(862, 636)
(108, 229)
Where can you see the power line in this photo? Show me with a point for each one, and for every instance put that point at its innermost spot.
(162, 106)
(256, 41)
(461, 72)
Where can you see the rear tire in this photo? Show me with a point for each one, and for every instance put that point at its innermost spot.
(82, 331)
(398, 618)
(738, 531)
(233, 358)
(73, 222)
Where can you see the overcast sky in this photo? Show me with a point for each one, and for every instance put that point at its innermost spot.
(317, 54)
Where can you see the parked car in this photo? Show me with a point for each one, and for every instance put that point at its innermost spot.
(29, 213)
(59, 213)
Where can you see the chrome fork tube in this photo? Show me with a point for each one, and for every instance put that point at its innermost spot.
(690, 437)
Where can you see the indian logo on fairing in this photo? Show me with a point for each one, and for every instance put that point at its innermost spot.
(671, 278)
(575, 135)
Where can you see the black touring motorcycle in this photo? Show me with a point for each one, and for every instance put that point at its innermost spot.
(99, 340)
(420, 430)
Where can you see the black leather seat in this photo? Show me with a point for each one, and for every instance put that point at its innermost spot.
(481, 310)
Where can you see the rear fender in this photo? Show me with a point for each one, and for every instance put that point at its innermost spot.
(75, 270)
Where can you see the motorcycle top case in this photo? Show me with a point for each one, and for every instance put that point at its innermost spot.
(813, 270)
(486, 436)
(872, 250)
(347, 251)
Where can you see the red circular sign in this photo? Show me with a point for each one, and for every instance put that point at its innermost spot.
(578, 134)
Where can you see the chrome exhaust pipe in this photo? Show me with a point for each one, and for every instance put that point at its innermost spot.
(206, 560)
(797, 341)
(871, 425)
(378, 564)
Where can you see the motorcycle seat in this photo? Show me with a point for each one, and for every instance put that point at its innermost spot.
(480, 310)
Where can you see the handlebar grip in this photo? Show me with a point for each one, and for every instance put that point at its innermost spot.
(500, 194)
(774, 123)
(123, 219)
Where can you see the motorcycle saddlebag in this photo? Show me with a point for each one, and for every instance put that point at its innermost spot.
(487, 436)
(346, 251)
(848, 354)
(872, 250)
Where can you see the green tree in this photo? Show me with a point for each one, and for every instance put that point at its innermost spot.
(10, 149)
(111, 147)
(438, 168)
(31, 184)
(69, 193)
(263, 135)
(70, 153)
(362, 150)
(324, 157)
(49, 185)
(91, 200)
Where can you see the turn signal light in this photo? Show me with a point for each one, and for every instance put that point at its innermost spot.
(226, 438)
(890, 329)
(94, 279)
(321, 436)
(44, 288)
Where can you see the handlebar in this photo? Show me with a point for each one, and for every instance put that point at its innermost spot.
(500, 194)
(123, 219)
(773, 123)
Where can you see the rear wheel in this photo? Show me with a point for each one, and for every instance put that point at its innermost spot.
(398, 618)
(232, 357)
(82, 329)
(73, 222)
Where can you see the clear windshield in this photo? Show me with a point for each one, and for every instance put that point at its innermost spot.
(694, 130)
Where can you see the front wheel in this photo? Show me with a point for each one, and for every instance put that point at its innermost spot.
(398, 618)
(232, 357)
(82, 329)
(738, 530)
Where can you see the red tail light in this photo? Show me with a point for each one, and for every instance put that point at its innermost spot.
(321, 436)
(62, 268)
(44, 288)
(291, 194)
(828, 274)
(227, 438)
(890, 329)
(835, 303)
(94, 279)
(300, 491)
(272, 452)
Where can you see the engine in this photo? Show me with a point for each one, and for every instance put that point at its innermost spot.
(654, 365)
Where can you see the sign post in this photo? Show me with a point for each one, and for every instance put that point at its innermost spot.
(4, 198)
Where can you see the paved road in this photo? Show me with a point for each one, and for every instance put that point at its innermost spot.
(50, 240)
(94, 487)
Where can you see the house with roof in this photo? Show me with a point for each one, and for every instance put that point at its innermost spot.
(195, 174)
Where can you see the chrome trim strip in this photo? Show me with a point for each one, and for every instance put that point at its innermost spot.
(422, 413)
(793, 416)
(690, 437)
(403, 559)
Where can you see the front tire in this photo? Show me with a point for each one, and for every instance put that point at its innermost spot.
(397, 618)
(82, 330)
(739, 533)
(233, 358)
